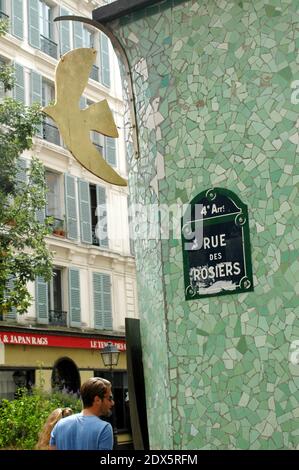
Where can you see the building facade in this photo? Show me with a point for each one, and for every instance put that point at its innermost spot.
(93, 289)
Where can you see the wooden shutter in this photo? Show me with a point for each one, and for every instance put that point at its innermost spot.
(33, 23)
(101, 212)
(74, 297)
(36, 95)
(110, 151)
(19, 87)
(85, 211)
(41, 300)
(102, 301)
(71, 207)
(105, 62)
(65, 32)
(17, 20)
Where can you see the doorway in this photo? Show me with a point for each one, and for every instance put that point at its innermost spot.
(65, 377)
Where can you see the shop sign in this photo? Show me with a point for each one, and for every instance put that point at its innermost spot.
(216, 245)
(33, 339)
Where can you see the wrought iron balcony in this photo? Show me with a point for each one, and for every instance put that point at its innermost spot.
(51, 133)
(95, 240)
(48, 46)
(57, 318)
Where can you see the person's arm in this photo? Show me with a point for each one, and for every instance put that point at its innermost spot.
(106, 438)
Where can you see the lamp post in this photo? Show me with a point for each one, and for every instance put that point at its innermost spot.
(110, 357)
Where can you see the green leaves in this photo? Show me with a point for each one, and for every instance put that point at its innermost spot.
(23, 418)
(22, 239)
(23, 250)
(4, 24)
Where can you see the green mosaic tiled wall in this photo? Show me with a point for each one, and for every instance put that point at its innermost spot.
(215, 86)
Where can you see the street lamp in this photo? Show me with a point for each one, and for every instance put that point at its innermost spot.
(110, 356)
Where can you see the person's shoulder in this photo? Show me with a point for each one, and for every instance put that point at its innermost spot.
(104, 424)
(67, 419)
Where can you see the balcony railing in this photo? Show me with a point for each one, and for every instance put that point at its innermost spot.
(51, 133)
(48, 46)
(57, 318)
(94, 74)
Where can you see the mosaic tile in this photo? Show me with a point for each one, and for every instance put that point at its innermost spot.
(213, 86)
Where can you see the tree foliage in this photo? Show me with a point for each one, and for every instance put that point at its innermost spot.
(23, 251)
(22, 419)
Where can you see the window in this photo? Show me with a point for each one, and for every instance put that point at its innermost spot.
(47, 43)
(12, 314)
(57, 317)
(93, 209)
(50, 298)
(11, 380)
(40, 26)
(105, 61)
(50, 131)
(53, 196)
(55, 292)
(98, 209)
(88, 37)
(12, 10)
(93, 214)
(55, 202)
(45, 20)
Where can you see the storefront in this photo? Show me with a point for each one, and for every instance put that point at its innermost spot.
(61, 361)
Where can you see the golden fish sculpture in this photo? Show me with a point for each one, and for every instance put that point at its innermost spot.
(75, 124)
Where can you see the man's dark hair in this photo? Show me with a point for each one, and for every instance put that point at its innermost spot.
(95, 386)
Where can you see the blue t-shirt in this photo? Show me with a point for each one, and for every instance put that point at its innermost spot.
(78, 432)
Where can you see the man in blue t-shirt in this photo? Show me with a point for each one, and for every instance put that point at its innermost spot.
(85, 430)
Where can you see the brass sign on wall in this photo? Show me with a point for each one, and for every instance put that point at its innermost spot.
(216, 245)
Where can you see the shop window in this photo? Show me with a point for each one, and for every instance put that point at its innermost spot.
(14, 380)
